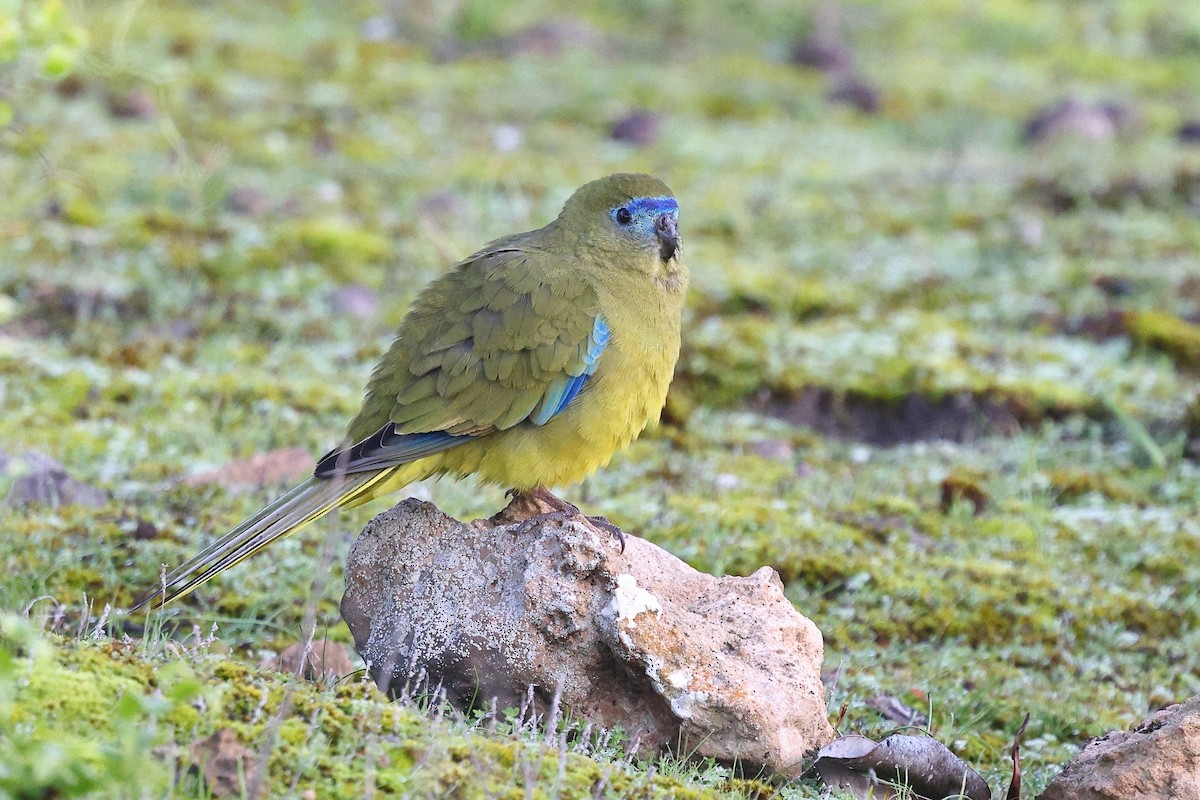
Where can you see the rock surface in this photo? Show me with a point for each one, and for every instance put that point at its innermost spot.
(41, 481)
(1157, 760)
(720, 667)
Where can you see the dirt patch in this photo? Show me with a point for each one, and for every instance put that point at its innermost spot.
(958, 417)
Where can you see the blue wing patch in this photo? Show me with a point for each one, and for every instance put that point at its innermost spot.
(389, 448)
(562, 391)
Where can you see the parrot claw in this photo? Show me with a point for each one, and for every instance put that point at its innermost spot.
(559, 510)
(605, 525)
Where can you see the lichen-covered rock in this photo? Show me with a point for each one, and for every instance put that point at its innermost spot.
(1158, 760)
(721, 667)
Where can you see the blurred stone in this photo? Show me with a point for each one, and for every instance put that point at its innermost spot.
(1157, 760)
(1114, 285)
(716, 667)
(135, 103)
(249, 201)
(638, 128)
(39, 480)
(554, 37)
(853, 91)
(354, 300)
(324, 661)
(442, 205)
(226, 764)
(775, 449)
(1075, 118)
(824, 52)
(70, 86)
(1189, 132)
(286, 465)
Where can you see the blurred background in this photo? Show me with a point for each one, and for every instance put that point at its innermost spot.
(940, 360)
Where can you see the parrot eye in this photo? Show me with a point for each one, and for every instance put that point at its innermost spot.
(623, 216)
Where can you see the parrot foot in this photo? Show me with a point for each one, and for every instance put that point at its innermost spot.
(540, 505)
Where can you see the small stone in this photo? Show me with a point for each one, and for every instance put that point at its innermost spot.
(638, 128)
(718, 667)
(286, 465)
(226, 764)
(39, 480)
(442, 206)
(552, 38)
(775, 450)
(824, 52)
(1157, 760)
(854, 91)
(1189, 132)
(1075, 118)
(136, 103)
(250, 201)
(326, 661)
(354, 300)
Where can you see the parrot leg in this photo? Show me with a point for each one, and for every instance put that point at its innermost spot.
(540, 505)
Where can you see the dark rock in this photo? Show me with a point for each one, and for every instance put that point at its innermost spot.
(1189, 132)
(959, 417)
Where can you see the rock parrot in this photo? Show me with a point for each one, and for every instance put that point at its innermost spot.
(529, 364)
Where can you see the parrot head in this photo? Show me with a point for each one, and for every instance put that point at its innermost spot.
(629, 210)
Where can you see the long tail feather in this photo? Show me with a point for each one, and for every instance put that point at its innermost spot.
(309, 501)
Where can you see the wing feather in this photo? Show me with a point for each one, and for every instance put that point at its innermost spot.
(508, 338)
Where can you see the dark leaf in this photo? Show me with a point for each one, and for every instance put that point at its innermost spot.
(924, 765)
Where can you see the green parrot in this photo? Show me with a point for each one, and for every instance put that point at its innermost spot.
(529, 364)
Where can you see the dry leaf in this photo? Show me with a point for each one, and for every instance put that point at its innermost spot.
(1014, 786)
(898, 712)
(875, 770)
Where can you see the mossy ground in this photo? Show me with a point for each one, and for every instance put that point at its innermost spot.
(180, 214)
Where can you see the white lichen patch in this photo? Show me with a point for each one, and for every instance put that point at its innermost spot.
(679, 678)
(629, 600)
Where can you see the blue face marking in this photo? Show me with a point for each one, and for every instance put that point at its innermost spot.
(640, 213)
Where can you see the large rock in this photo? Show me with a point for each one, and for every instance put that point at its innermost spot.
(721, 667)
(1158, 760)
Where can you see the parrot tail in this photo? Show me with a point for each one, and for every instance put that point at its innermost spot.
(307, 502)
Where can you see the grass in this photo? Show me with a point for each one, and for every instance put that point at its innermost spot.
(184, 211)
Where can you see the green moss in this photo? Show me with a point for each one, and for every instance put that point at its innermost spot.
(1167, 333)
(343, 249)
(925, 257)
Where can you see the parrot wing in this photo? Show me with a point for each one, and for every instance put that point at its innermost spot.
(506, 339)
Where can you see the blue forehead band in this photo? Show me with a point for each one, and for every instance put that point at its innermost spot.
(652, 206)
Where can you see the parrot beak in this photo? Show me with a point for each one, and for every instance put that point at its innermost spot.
(667, 231)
